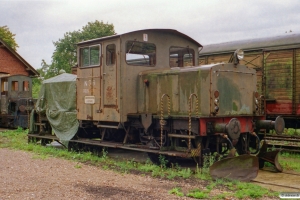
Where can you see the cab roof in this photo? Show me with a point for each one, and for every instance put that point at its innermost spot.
(175, 32)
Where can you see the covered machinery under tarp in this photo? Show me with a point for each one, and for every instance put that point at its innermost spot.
(57, 99)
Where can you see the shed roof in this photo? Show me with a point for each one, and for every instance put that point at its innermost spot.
(33, 72)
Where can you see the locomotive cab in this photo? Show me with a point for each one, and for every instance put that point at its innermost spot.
(108, 71)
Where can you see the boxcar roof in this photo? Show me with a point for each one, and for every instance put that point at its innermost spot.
(157, 30)
(279, 42)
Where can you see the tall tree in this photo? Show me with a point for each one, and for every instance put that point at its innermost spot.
(65, 54)
(8, 37)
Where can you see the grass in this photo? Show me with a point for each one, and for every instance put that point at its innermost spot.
(245, 190)
(199, 194)
(287, 161)
(176, 191)
(17, 139)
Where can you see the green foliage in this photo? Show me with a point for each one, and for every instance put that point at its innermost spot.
(287, 131)
(221, 196)
(77, 166)
(65, 53)
(289, 161)
(17, 139)
(41, 157)
(157, 172)
(250, 190)
(177, 191)
(148, 167)
(198, 194)
(185, 173)
(163, 161)
(36, 87)
(8, 37)
(211, 186)
(104, 153)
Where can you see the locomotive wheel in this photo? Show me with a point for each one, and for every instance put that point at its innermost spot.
(76, 147)
(44, 142)
(96, 150)
(240, 146)
(240, 149)
(249, 142)
(119, 135)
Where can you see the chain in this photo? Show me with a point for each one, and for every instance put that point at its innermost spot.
(190, 115)
(162, 115)
(262, 105)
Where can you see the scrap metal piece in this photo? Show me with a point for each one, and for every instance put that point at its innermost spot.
(269, 156)
(242, 168)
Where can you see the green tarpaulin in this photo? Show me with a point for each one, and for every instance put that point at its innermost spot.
(57, 99)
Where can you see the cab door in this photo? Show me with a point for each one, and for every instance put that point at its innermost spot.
(89, 83)
(110, 82)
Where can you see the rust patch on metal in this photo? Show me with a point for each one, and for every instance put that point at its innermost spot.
(242, 168)
(109, 93)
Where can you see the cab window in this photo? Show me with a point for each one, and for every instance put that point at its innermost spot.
(110, 54)
(140, 53)
(181, 57)
(90, 56)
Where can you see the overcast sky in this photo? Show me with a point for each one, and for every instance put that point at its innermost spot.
(39, 23)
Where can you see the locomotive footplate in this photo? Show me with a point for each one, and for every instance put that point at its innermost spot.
(142, 148)
(45, 139)
(49, 137)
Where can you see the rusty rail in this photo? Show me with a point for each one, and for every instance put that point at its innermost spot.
(283, 142)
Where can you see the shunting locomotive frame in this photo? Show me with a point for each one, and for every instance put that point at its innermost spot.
(143, 91)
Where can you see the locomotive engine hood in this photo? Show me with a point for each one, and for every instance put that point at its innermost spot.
(230, 90)
(222, 89)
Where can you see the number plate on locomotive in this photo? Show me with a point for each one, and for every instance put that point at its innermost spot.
(89, 99)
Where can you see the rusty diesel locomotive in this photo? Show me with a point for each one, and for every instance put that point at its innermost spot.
(16, 100)
(143, 91)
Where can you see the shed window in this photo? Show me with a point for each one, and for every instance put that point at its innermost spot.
(4, 85)
(181, 57)
(14, 86)
(140, 53)
(90, 56)
(25, 85)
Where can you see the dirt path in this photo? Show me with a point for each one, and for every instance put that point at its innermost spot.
(279, 181)
(23, 176)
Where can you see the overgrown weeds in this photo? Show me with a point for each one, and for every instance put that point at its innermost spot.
(17, 139)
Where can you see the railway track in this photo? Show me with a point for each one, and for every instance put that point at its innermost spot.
(283, 142)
